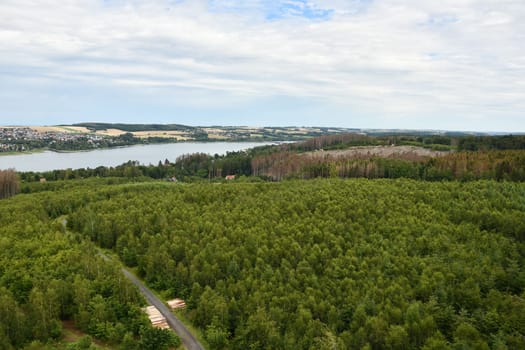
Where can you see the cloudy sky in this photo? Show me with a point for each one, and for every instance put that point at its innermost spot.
(447, 64)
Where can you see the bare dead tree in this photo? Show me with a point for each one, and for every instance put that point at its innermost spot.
(9, 183)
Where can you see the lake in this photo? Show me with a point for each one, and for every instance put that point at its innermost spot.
(144, 154)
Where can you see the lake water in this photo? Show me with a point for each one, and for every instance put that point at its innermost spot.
(144, 154)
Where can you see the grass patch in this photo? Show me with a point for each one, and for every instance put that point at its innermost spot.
(18, 153)
(71, 334)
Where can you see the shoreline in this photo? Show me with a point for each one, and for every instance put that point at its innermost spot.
(143, 153)
(15, 153)
(42, 150)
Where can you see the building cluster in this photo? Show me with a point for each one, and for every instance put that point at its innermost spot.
(28, 134)
(11, 134)
(9, 147)
(21, 138)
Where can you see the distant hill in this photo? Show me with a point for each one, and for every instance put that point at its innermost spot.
(135, 127)
(93, 135)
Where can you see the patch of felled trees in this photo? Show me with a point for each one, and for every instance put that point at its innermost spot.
(9, 183)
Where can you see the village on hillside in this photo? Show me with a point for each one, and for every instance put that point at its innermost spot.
(21, 139)
(87, 136)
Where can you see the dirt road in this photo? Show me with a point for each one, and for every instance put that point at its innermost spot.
(188, 340)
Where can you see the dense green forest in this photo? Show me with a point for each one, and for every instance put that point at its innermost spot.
(475, 143)
(49, 275)
(331, 263)
(321, 264)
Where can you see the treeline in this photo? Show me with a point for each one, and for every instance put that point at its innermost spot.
(49, 276)
(497, 165)
(484, 143)
(325, 264)
(335, 142)
(277, 166)
(188, 167)
(343, 141)
(129, 169)
(205, 166)
(295, 160)
(442, 142)
(9, 183)
(135, 127)
(492, 157)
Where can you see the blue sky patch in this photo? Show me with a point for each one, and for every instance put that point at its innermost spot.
(273, 10)
(297, 8)
(441, 20)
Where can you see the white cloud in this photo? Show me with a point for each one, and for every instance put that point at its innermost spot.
(385, 57)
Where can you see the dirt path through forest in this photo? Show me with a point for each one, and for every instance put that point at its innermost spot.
(188, 340)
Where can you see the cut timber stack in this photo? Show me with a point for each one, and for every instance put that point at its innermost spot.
(156, 318)
(176, 304)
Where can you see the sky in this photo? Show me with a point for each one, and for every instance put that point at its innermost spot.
(403, 64)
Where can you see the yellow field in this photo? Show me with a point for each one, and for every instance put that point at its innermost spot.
(180, 135)
(213, 130)
(68, 129)
(111, 132)
(216, 136)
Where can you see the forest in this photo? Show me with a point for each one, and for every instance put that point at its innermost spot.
(315, 245)
(51, 278)
(319, 264)
(419, 157)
